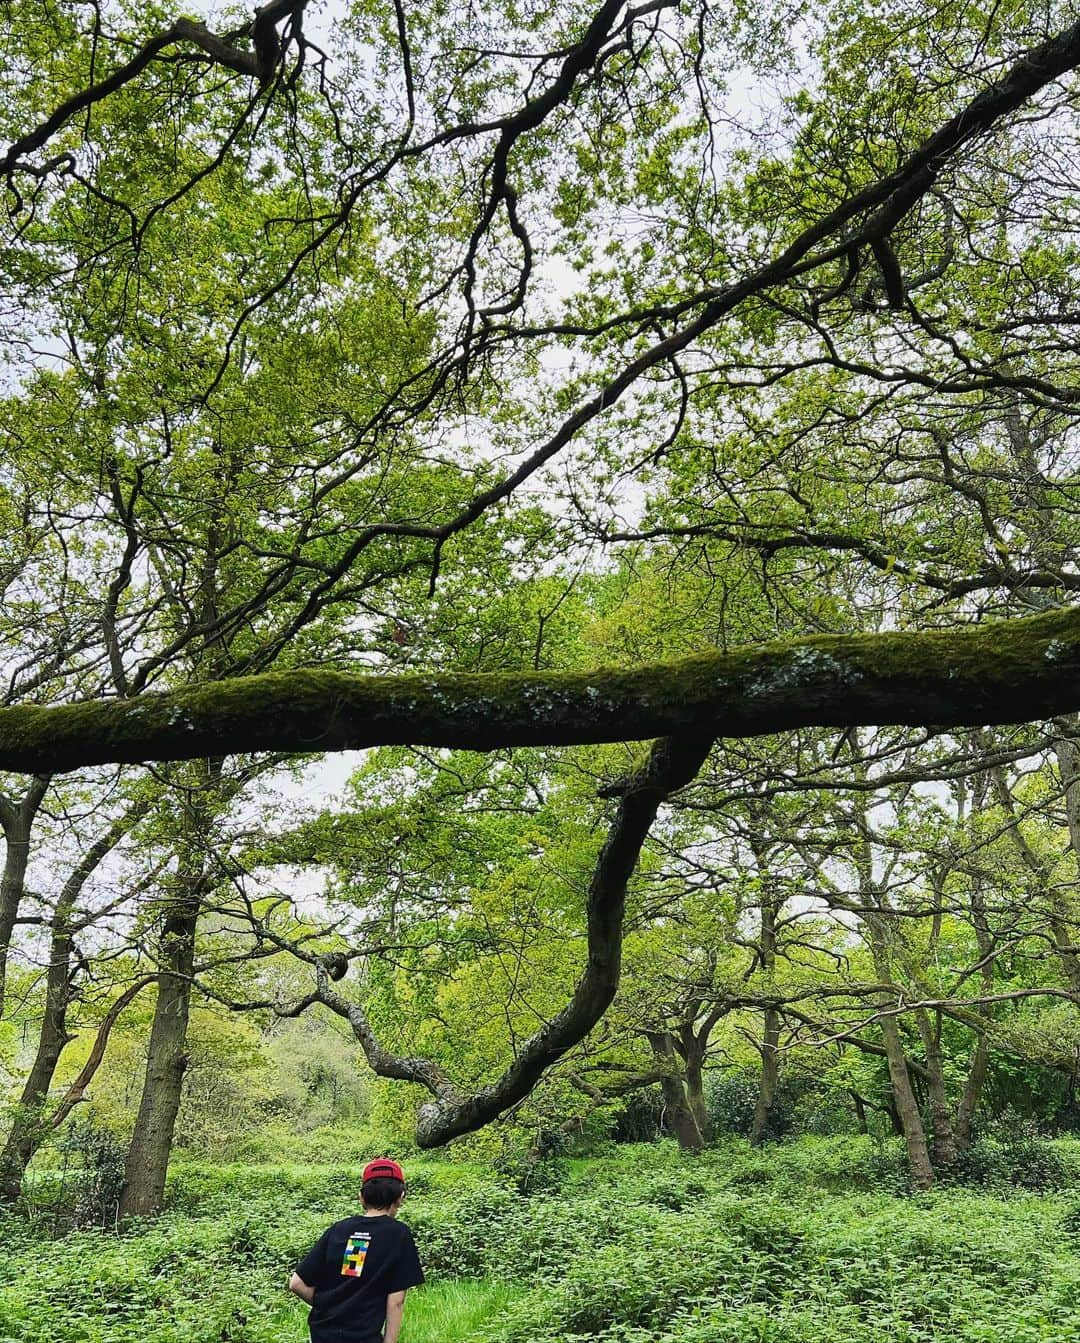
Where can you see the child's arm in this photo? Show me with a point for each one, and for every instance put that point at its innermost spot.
(302, 1290)
(395, 1310)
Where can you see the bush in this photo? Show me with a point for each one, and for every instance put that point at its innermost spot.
(1014, 1155)
(82, 1189)
(731, 1098)
(98, 1180)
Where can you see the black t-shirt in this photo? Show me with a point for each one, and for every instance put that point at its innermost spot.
(354, 1266)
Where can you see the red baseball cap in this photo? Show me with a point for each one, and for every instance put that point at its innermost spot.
(382, 1168)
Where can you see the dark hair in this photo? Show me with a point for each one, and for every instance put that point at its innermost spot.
(381, 1192)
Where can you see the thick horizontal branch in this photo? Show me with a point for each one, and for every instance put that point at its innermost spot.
(1007, 672)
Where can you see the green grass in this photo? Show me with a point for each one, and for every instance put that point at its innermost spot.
(455, 1311)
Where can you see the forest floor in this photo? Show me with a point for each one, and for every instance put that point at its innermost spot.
(815, 1241)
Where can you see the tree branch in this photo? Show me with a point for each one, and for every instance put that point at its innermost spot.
(1006, 672)
(77, 1091)
(672, 764)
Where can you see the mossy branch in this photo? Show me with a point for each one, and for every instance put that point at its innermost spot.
(1008, 672)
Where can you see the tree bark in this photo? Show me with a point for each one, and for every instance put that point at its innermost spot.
(907, 1107)
(695, 1093)
(943, 1144)
(151, 1143)
(769, 1081)
(976, 1076)
(989, 673)
(16, 820)
(678, 1105)
(1066, 908)
(969, 1099)
(24, 1131)
(770, 1077)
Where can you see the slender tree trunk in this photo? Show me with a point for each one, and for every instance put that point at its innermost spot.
(969, 1100)
(1066, 908)
(860, 1112)
(166, 1061)
(769, 1081)
(28, 1117)
(973, 1083)
(58, 994)
(943, 1144)
(151, 1143)
(770, 1077)
(16, 820)
(907, 1107)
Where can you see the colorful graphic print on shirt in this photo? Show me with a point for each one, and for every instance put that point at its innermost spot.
(356, 1249)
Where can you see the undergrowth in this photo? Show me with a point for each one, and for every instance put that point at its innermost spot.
(809, 1242)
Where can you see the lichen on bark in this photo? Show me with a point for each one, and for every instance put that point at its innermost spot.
(987, 673)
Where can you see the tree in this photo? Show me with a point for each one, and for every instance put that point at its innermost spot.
(829, 289)
(65, 965)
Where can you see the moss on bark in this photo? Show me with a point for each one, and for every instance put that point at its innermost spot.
(993, 673)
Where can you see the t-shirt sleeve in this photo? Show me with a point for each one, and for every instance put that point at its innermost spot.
(407, 1271)
(312, 1268)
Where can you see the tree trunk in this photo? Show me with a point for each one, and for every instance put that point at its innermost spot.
(860, 1112)
(1065, 909)
(681, 1115)
(770, 1057)
(969, 1100)
(23, 1135)
(58, 993)
(166, 1061)
(770, 1077)
(907, 1107)
(695, 1094)
(16, 820)
(973, 1083)
(151, 1143)
(943, 1144)
(680, 1110)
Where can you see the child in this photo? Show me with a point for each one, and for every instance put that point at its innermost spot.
(356, 1276)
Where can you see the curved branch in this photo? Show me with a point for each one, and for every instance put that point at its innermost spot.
(76, 1092)
(672, 764)
(258, 64)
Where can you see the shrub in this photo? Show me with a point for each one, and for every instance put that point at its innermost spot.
(731, 1097)
(795, 1243)
(99, 1174)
